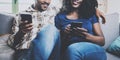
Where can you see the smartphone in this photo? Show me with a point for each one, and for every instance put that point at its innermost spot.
(76, 24)
(26, 17)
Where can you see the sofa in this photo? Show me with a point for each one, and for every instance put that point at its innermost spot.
(111, 31)
(6, 20)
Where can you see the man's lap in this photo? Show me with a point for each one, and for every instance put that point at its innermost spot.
(45, 41)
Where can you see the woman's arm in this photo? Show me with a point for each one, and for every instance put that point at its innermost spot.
(100, 14)
(98, 38)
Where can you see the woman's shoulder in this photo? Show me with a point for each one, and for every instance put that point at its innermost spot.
(93, 16)
(61, 16)
(94, 19)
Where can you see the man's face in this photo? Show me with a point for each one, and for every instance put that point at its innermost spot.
(42, 5)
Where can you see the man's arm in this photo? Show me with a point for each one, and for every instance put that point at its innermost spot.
(15, 29)
(24, 28)
(16, 39)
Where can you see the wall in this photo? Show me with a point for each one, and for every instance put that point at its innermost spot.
(113, 6)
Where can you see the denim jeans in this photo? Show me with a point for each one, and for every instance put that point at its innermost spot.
(85, 51)
(24, 54)
(46, 45)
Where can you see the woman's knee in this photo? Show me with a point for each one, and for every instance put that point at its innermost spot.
(73, 49)
(84, 47)
(85, 50)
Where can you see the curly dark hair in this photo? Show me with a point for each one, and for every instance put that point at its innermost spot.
(85, 10)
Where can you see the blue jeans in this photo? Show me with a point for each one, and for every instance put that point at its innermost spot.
(46, 45)
(85, 51)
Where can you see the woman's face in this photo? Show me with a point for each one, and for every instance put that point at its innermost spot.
(76, 3)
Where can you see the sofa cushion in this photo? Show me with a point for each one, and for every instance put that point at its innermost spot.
(111, 57)
(114, 48)
(6, 53)
(3, 39)
(6, 21)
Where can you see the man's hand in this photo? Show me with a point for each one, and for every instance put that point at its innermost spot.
(25, 27)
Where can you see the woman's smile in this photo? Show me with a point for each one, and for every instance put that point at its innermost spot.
(76, 3)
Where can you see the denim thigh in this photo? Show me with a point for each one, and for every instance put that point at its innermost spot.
(46, 43)
(85, 51)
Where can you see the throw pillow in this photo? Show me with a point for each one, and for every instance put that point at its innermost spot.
(114, 48)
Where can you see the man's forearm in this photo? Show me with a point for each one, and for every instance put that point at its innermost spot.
(18, 38)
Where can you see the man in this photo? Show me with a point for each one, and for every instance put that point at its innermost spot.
(39, 37)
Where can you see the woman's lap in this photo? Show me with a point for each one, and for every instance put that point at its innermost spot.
(85, 51)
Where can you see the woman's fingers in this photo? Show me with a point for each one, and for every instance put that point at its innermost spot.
(81, 29)
(68, 26)
(103, 19)
(67, 29)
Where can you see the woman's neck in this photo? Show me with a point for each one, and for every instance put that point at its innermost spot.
(73, 15)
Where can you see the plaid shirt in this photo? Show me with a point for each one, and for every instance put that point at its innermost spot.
(39, 20)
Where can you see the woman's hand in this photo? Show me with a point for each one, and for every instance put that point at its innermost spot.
(87, 35)
(101, 14)
(83, 32)
(67, 29)
(25, 27)
(79, 31)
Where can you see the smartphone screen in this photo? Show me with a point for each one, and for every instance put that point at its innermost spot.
(26, 17)
(76, 24)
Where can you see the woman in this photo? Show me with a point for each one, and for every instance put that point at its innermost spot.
(80, 43)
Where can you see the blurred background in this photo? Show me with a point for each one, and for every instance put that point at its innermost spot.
(14, 6)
